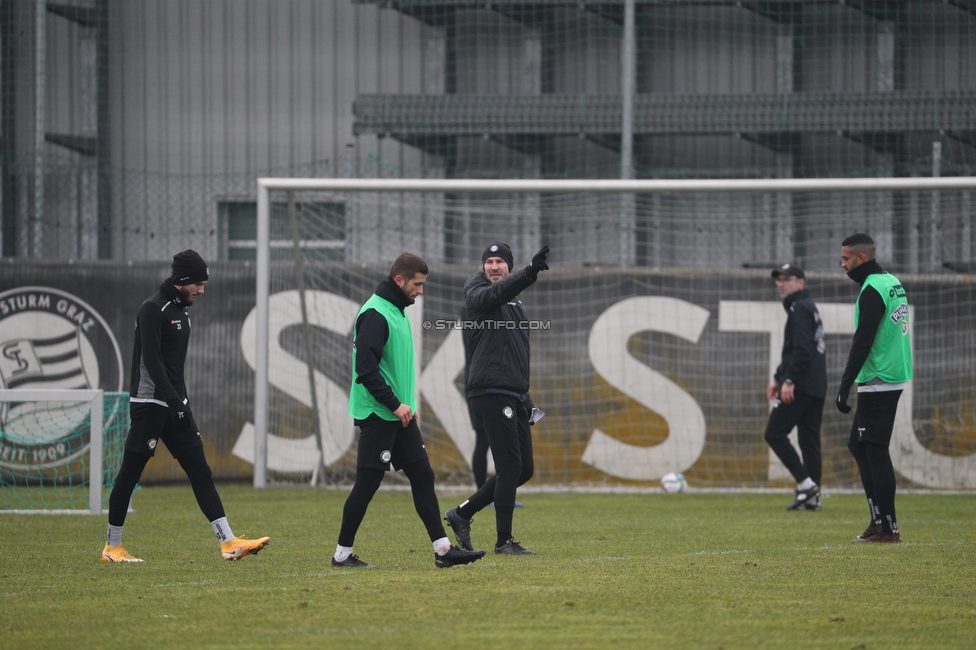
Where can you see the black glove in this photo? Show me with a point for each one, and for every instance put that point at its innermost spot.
(539, 260)
(842, 404)
(179, 415)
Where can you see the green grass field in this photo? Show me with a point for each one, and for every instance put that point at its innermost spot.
(626, 571)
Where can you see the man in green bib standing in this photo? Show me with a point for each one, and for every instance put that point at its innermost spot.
(880, 362)
(382, 402)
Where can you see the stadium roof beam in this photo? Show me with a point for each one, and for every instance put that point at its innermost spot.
(83, 16)
(783, 142)
(85, 145)
(601, 6)
(881, 10)
(781, 11)
(437, 145)
(964, 5)
(609, 141)
(531, 15)
(879, 141)
(662, 114)
(784, 13)
(612, 11)
(435, 12)
(528, 144)
(964, 137)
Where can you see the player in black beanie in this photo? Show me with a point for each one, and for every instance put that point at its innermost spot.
(159, 410)
(189, 268)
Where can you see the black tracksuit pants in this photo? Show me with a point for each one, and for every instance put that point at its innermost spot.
(506, 422)
(805, 413)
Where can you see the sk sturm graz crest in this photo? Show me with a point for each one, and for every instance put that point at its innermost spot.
(50, 339)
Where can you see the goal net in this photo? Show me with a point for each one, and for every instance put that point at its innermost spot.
(60, 450)
(654, 335)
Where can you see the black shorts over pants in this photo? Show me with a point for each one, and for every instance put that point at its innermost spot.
(874, 419)
(384, 442)
(152, 423)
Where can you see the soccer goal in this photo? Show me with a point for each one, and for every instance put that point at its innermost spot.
(659, 325)
(59, 449)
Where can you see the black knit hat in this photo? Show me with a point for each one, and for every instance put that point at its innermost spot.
(498, 249)
(189, 268)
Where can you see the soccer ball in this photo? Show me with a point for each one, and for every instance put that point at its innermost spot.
(673, 483)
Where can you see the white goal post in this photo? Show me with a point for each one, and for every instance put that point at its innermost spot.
(96, 407)
(624, 188)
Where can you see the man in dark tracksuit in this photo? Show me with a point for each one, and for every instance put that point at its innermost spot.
(160, 410)
(382, 402)
(880, 362)
(798, 388)
(498, 387)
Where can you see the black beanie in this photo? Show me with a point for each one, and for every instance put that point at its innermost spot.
(189, 268)
(498, 249)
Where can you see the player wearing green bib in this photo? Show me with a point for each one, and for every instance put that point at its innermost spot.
(382, 402)
(880, 362)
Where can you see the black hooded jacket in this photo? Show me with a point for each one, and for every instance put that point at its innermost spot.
(159, 349)
(498, 334)
(804, 360)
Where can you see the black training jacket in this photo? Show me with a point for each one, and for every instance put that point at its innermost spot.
(498, 334)
(804, 360)
(159, 351)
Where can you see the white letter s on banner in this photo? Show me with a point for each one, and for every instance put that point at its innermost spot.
(610, 359)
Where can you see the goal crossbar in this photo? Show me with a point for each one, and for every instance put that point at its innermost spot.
(491, 186)
(609, 186)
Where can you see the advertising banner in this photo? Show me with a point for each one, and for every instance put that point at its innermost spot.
(639, 373)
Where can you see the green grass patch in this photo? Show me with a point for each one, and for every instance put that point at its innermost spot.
(626, 571)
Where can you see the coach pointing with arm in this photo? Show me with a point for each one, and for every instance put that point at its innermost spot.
(880, 362)
(498, 387)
